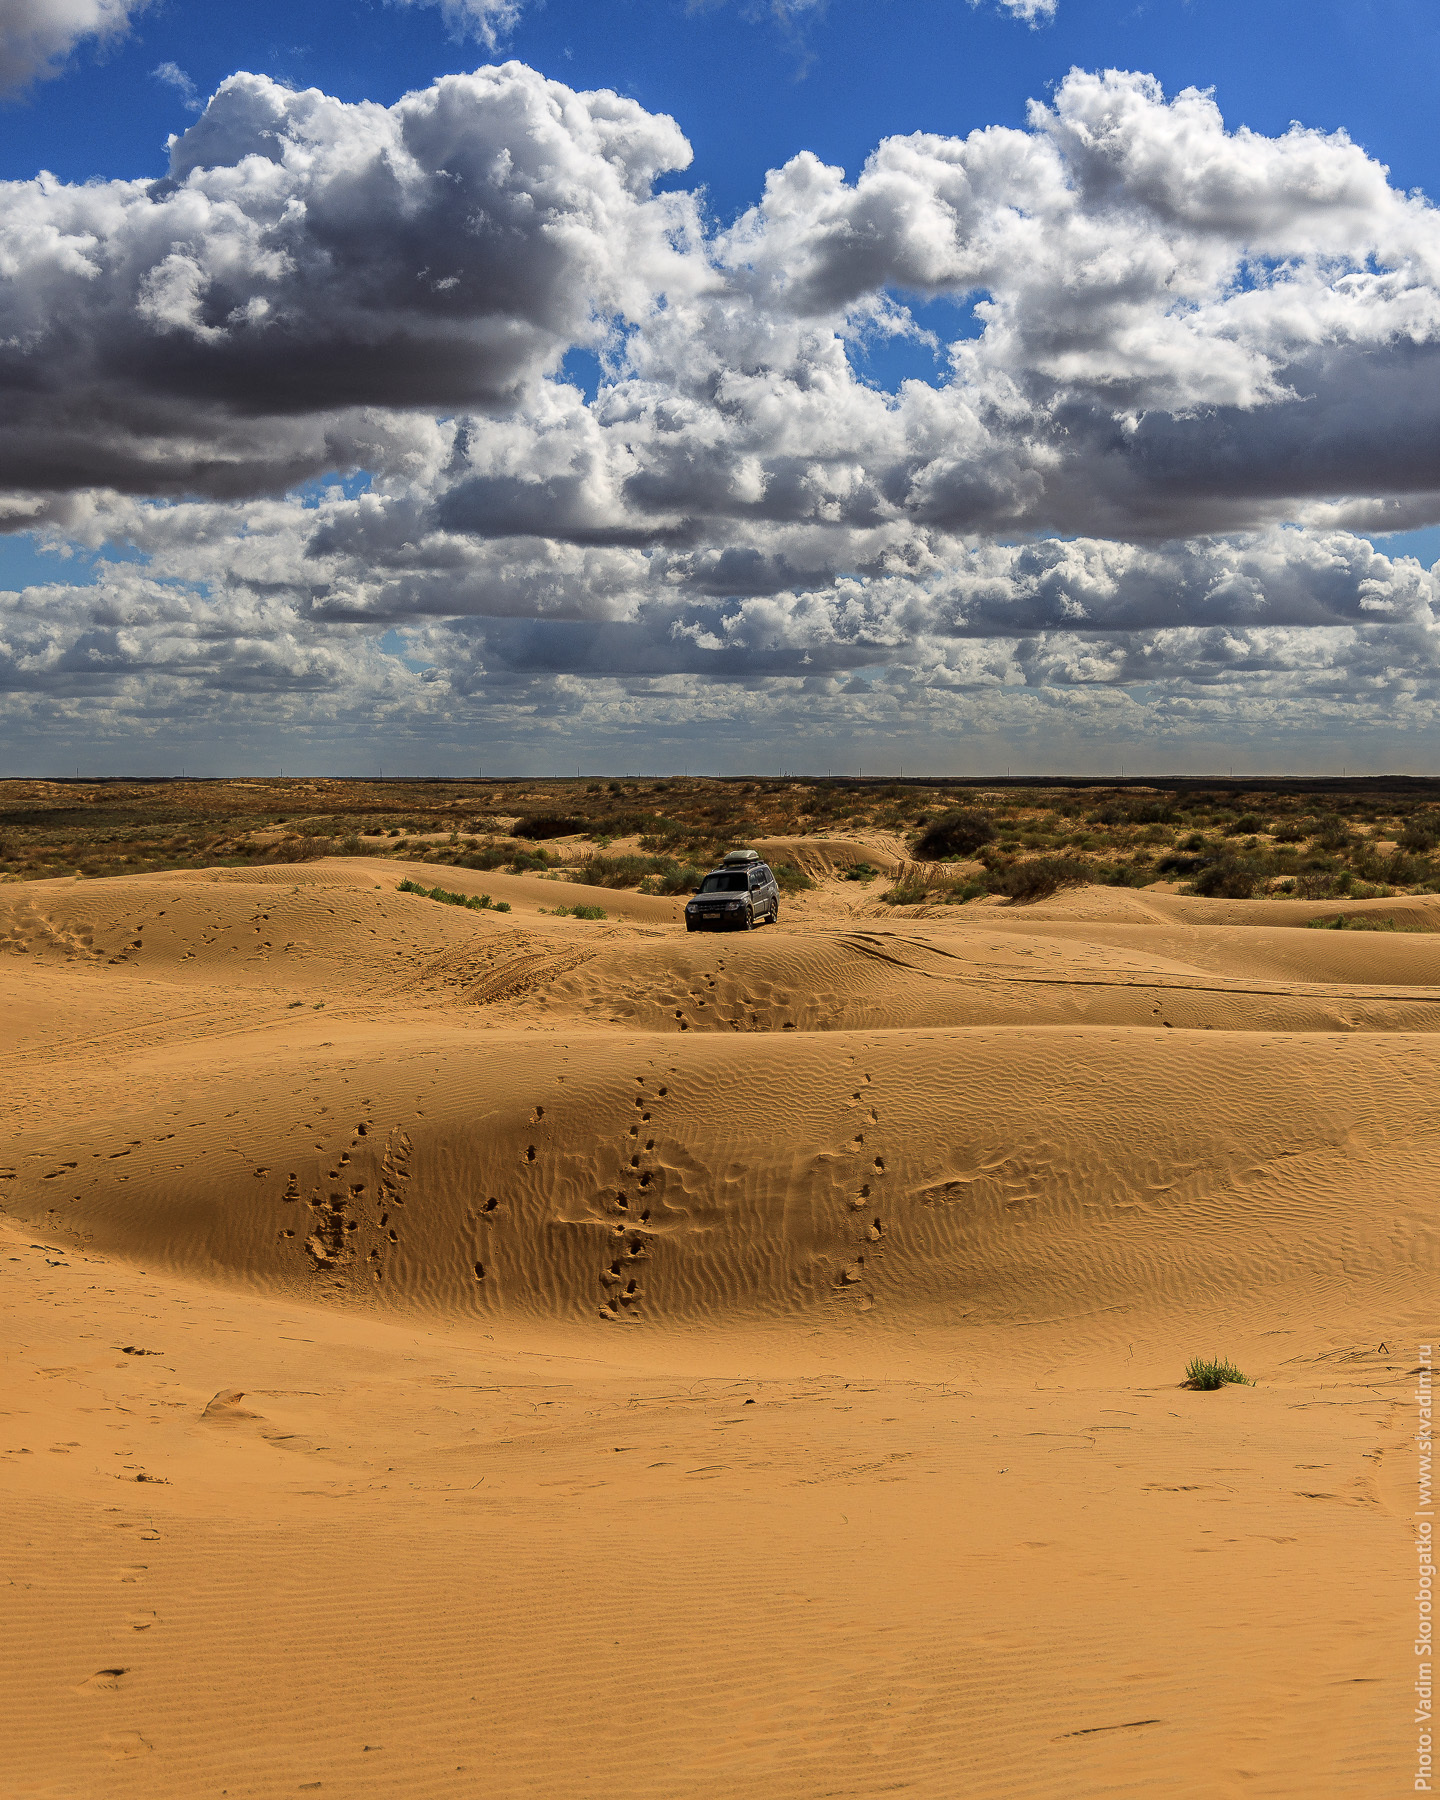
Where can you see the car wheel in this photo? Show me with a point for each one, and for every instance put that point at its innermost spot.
(749, 918)
(691, 926)
(774, 912)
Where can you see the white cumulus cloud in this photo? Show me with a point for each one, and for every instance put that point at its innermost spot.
(1180, 370)
(36, 36)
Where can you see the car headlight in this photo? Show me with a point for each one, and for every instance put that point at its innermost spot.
(733, 905)
(692, 907)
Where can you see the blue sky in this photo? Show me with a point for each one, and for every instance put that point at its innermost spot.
(404, 584)
(749, 91)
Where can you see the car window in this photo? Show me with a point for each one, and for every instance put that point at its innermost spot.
(723, 884)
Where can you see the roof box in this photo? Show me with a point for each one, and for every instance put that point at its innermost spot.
(740, 859)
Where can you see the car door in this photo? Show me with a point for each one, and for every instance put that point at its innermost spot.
(759, 893)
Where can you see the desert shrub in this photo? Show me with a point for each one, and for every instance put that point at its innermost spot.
(1403, 870)
(656, 874)
(659, 833)
(1333, 834)
(475, 902)
(1229, 877)
(620, 824)
(789, 879)
(956, 891)
(298, 849)
(487, 856)
(578, 912)
(547, 825)
(1323, 884)
(957, 833)
(906, 893)
(352, 846)
(1208, 1374)
(527, 862)
(673, 878)
(1361, 922)
(1421, 834)
(1136, 809)
(860, 872)
(1039, 877)
(1245, 826)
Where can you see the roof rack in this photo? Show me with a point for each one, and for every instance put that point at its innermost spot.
(738, 859)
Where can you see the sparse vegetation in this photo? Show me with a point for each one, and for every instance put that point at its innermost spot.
(1207, 1374)
(955, 833)
(577, 912)
(652, 874)
(1361, 922)
(1314, 840)
(475, 902)
(789, 879)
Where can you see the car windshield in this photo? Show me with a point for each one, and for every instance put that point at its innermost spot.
(724, 884)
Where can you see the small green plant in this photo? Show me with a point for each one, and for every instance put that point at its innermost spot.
(577, 912)
(1359, 922)
(475, 902)
(789, 879)
(906, 893)
(1207, 1374)
(860, 872)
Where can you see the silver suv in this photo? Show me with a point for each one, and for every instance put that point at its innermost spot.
(738, 895)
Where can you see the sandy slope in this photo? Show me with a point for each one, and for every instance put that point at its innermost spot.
(475, 1354)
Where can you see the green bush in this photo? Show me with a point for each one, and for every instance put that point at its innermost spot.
(1334, 834)
(959, 832)
(906, 893)
(1208, 1374)
(485, 857)
(1420, 835)
(789, 879)
(475, 902)
(1039, 877)
(1229, 877)
(577, 912)
(656, 874)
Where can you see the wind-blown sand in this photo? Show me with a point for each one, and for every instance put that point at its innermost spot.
(459, 1353)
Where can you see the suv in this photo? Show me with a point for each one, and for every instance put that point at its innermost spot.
(736, 896)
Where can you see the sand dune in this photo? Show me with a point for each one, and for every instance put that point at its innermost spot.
(501, 1354)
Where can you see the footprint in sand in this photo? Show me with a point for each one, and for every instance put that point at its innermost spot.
(121, 1746)
(103, 1681)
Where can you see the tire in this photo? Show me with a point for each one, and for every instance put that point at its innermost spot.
(691, 926)
(749, 918)
(774, 912)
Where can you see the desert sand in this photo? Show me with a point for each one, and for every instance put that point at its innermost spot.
(499, 1354)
